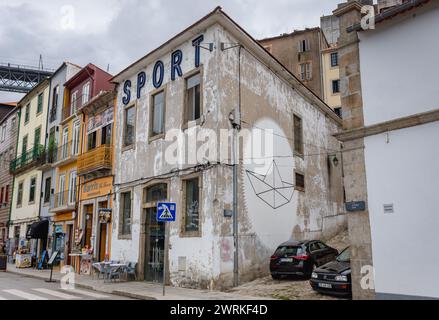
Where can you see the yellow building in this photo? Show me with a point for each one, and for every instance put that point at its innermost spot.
(331, 78)
(26, 198)
(95, 169)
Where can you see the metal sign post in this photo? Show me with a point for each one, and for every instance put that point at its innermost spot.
(166, 212)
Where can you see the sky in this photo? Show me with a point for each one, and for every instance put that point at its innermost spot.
(115, 33)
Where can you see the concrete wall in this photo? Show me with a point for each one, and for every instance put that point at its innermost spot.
(404, 243)
(407, 43)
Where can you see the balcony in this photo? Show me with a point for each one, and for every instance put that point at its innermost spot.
(98, 159)
(63, 202)
(65, 154)
(31, 159)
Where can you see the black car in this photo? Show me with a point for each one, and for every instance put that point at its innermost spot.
(334, 278)
(300, 258)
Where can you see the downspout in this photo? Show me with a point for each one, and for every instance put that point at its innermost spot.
(322, 90)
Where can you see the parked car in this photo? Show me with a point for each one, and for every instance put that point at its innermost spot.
(300, 258)
(334, 278)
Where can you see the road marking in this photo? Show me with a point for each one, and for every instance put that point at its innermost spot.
(87, 293)
(25, 295)
(56, 294)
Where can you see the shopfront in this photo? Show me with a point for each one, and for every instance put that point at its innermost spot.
(95, 217)
(63, 237)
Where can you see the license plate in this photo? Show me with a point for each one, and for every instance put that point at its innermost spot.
(325, 285)
(286, 260)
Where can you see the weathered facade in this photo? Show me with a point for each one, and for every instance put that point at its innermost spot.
(25, 167)
(215, 67)
(8, 144)
(299, 52)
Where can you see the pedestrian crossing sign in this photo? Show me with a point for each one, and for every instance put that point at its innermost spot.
(166, 211)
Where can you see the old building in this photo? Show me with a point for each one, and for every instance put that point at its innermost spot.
(8, 144)
(299, 52)
(78, 90)
(398, 126)
(27, 177)
(95, 171)
(55, 105)
(174, 100)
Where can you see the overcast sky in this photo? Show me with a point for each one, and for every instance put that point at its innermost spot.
(118, 32)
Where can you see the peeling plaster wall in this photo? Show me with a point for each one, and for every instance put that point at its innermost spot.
(207, 261)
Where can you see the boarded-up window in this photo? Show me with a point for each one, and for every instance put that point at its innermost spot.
(298, 135)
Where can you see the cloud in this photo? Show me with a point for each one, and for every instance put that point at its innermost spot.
(118, 32)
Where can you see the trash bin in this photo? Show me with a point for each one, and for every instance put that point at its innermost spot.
(3, 262)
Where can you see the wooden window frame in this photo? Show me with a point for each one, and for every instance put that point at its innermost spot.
(200, 70)
(183, 232)
(133, 145)
(301, 189)
(120, 235)
(151, 135)
(35, 192)
(299, 153)
(18, 205)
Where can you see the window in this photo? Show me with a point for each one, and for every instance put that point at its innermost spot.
(85, 93)
(338, 111)
(305, 71)
(125, 205)
(61, 188)
(130, 126)
(304, 45)
(24, 147)
(155, 193)
(27, 113)
(91, 140)
(157, 116)
(299, 181)
(298, 135)
(14, 123)
(47, 189)
(1, 195)
(72, 188)
(33, 185)
(334, 59)
(73, 102)
(192, 198)
(75, 138)
(335, 86)
(65, 143)
(40, 103)
(7, 195)
(106, 135)
(55, 96)
(20, 194)
(193, 97)
(3, 133)
(37, 136)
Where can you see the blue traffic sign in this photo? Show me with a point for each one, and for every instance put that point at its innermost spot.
(166, 211)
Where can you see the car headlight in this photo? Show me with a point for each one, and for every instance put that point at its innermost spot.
(314, 275)
(341, 278)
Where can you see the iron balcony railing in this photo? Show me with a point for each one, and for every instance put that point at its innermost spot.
(31, 158)
(64, 152)
(99, 158)
(63, 200)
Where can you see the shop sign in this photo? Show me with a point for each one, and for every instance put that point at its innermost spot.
(58, 229)
(100, 120)
(96, 188)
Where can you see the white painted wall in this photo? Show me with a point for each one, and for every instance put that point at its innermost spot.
(405, 173)
(399, 67)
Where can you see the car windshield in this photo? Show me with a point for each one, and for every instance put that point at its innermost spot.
(345, 256)
(288, 251)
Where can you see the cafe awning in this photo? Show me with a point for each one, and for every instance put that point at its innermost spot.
(38, 230)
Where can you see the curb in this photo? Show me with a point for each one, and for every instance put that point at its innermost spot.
(88, 287)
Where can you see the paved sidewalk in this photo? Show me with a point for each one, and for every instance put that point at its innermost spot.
(135, 289)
